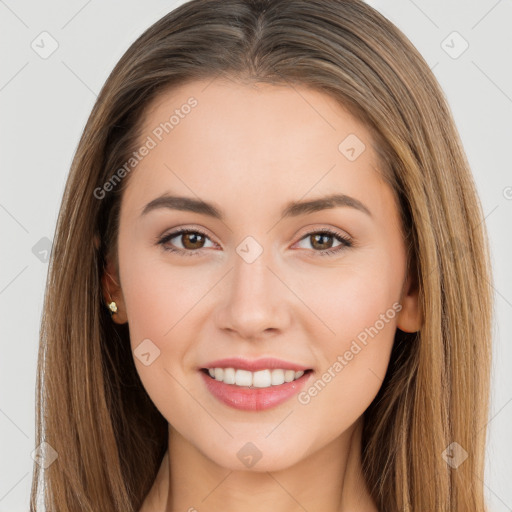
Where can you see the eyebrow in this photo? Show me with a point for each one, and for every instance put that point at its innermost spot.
(292, 209)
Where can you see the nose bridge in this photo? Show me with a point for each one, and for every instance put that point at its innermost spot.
(250, 274)
(256, 300)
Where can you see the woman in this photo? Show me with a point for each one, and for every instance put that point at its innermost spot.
(327, 345)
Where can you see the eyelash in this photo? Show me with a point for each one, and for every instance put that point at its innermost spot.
(345, 242)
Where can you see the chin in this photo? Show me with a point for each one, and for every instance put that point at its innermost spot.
(255, 456)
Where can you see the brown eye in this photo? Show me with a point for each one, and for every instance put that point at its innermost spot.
(322, 242)
(191, 241)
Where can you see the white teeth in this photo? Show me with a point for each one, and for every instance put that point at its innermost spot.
(243, 378)
(289, 375)
(262, 379)
(259, 379)
(229, 376)
(277, 377)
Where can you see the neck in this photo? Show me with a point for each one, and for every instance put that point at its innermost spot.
(321, 482)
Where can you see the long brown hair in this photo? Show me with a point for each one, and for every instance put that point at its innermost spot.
(91, 406)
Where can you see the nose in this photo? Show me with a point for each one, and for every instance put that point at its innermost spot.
(255, 302)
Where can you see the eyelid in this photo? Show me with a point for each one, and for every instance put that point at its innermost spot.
(315, 228)
(173, 233)
(346, 240)
(187, 228)
(307, 230)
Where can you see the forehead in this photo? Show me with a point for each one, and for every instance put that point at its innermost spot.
(265, 142)
(273, 114)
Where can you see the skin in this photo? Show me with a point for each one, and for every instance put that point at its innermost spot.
(251, 149)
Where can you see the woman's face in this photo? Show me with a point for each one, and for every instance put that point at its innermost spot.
(255, 277)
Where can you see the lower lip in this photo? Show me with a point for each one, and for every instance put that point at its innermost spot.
(254, 399)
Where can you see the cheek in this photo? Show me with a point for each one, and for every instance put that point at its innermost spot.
(159, 301)
(354, 361)
(157, 296)
(360, 295)
(360, 309)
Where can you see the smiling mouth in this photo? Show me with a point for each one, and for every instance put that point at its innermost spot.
(254, 380)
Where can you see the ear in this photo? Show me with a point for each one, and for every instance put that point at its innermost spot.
(410, 318)
(111, 291)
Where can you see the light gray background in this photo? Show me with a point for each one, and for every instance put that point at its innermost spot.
(45, 104)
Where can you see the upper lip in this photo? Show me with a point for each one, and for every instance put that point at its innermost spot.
(254, 365)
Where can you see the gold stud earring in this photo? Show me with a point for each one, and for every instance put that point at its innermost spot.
(112, 306)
